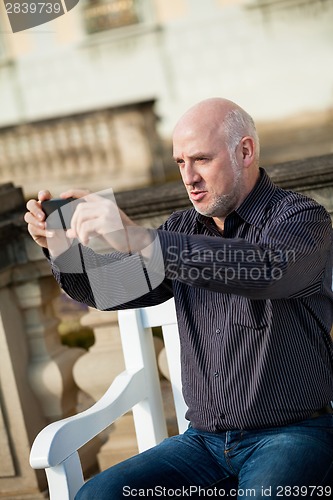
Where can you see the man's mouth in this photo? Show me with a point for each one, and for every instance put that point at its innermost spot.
(197, 195)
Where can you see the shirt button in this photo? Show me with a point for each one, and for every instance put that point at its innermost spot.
(216, 374)
(218, 330)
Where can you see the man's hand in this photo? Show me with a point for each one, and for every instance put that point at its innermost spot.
(55, 240)
(100, 216)
(35, 219)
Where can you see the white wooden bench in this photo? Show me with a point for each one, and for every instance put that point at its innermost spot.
(137, 388)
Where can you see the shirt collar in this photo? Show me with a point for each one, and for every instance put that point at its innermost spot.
(253, 209)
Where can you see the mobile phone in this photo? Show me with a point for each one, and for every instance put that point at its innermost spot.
(59, 212)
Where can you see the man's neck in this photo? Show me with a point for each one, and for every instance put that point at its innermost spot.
(219, 222)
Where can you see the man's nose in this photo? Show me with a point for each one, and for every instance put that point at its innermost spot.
(189, 174)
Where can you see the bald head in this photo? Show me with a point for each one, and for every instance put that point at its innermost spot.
(221, 118)
(208, 111)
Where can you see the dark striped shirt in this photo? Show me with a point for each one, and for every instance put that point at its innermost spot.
(254, 307)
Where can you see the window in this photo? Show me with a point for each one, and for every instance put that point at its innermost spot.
(102, 15)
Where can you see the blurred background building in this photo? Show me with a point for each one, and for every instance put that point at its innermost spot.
(90, 99)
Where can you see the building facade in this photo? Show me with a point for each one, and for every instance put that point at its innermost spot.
(61, 82)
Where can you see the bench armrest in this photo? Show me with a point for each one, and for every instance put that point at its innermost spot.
(59, 440)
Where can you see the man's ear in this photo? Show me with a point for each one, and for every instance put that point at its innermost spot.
(248, 150)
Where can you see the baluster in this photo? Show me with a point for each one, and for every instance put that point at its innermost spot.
(51, 363)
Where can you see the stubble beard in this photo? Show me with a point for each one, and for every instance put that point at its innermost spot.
(224, 204)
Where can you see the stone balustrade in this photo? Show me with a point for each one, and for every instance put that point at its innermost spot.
(40, 379)
(97, 149)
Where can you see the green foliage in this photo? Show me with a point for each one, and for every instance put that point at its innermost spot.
(75, 335)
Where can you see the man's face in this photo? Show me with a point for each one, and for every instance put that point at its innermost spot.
(213, 180)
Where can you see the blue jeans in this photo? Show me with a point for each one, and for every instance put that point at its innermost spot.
(294, 461)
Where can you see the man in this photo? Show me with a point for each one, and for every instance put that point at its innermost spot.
(250, 268)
